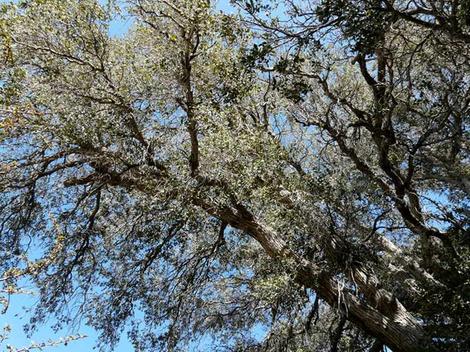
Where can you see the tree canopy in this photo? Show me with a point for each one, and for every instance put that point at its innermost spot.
(299, 168)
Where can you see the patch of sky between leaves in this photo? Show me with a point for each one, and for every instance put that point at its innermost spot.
(122, 22)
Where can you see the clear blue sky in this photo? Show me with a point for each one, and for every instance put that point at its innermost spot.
(17, 316)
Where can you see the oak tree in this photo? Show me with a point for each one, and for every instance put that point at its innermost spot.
(299, 168)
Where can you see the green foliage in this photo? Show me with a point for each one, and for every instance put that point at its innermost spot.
(363, 22)
(304, 172)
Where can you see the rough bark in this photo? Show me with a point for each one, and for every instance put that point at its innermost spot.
(377, 312)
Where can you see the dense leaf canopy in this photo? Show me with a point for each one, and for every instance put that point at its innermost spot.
(299, 168)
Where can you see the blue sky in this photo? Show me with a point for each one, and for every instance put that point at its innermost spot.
(18, 315)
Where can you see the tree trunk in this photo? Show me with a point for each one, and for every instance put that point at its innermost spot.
(377, 312)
